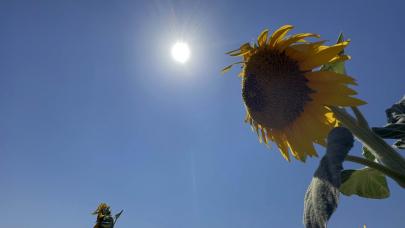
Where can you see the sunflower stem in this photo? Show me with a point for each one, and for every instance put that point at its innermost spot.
(398, 177)
(377, 146)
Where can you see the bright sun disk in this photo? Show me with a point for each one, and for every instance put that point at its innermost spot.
(181, 52)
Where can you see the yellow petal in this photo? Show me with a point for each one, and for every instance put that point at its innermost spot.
(336, 100)
(321, 142)
(316, 121)
(281, 45)
(264, 136)
(258, 131)
(227, 68)
(331, 88)
(295, 149)
(340, 58)
(308, 48)
(293, 142)
(282, 145)
(301, 52)
(323, 56)
(329, 77)
(279, 34)
(262, 39)
(244, 48)
(304, 140)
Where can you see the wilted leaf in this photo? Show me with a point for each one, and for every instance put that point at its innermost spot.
(367, 183)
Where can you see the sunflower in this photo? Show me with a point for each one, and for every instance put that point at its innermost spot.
(287, 95)
(101, 209)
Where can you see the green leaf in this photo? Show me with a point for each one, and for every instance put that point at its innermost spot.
(361, 120)
(339, 40)
(367, 154)
(367, 183)
(391, 131)
(118, 214)
(400, 144)
(395, 129)
(337, 67)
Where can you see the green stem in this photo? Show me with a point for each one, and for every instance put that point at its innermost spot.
(391, 173)
(376, 145)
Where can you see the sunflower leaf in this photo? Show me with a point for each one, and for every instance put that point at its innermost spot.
(361, 120)
(367, 154)
(117, 216)
(366, 182)
(338, 66)
(391, 131)
(395, 129)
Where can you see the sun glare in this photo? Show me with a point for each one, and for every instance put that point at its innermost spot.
(181, 52)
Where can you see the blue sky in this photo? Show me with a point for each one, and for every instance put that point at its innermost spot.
(93, 109)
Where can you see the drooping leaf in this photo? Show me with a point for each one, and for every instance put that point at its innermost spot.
(396, 114)
(366, 182)
(395, 129)
(367, 154)
(391, 131)
(400, 144)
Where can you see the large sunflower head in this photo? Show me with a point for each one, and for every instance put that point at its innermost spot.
(287, 95)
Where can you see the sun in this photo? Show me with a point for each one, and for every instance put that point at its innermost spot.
(181, 52)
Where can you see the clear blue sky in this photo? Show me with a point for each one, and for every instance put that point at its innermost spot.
(92, 109)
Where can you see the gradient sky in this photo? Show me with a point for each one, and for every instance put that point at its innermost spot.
(93, 109)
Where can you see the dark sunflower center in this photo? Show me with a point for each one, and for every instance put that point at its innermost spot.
(274, 89)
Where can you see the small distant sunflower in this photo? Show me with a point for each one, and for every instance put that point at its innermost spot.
(101, 209)
(285, 93)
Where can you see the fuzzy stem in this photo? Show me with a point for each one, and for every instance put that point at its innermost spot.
(391, 173)
(377, 146)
